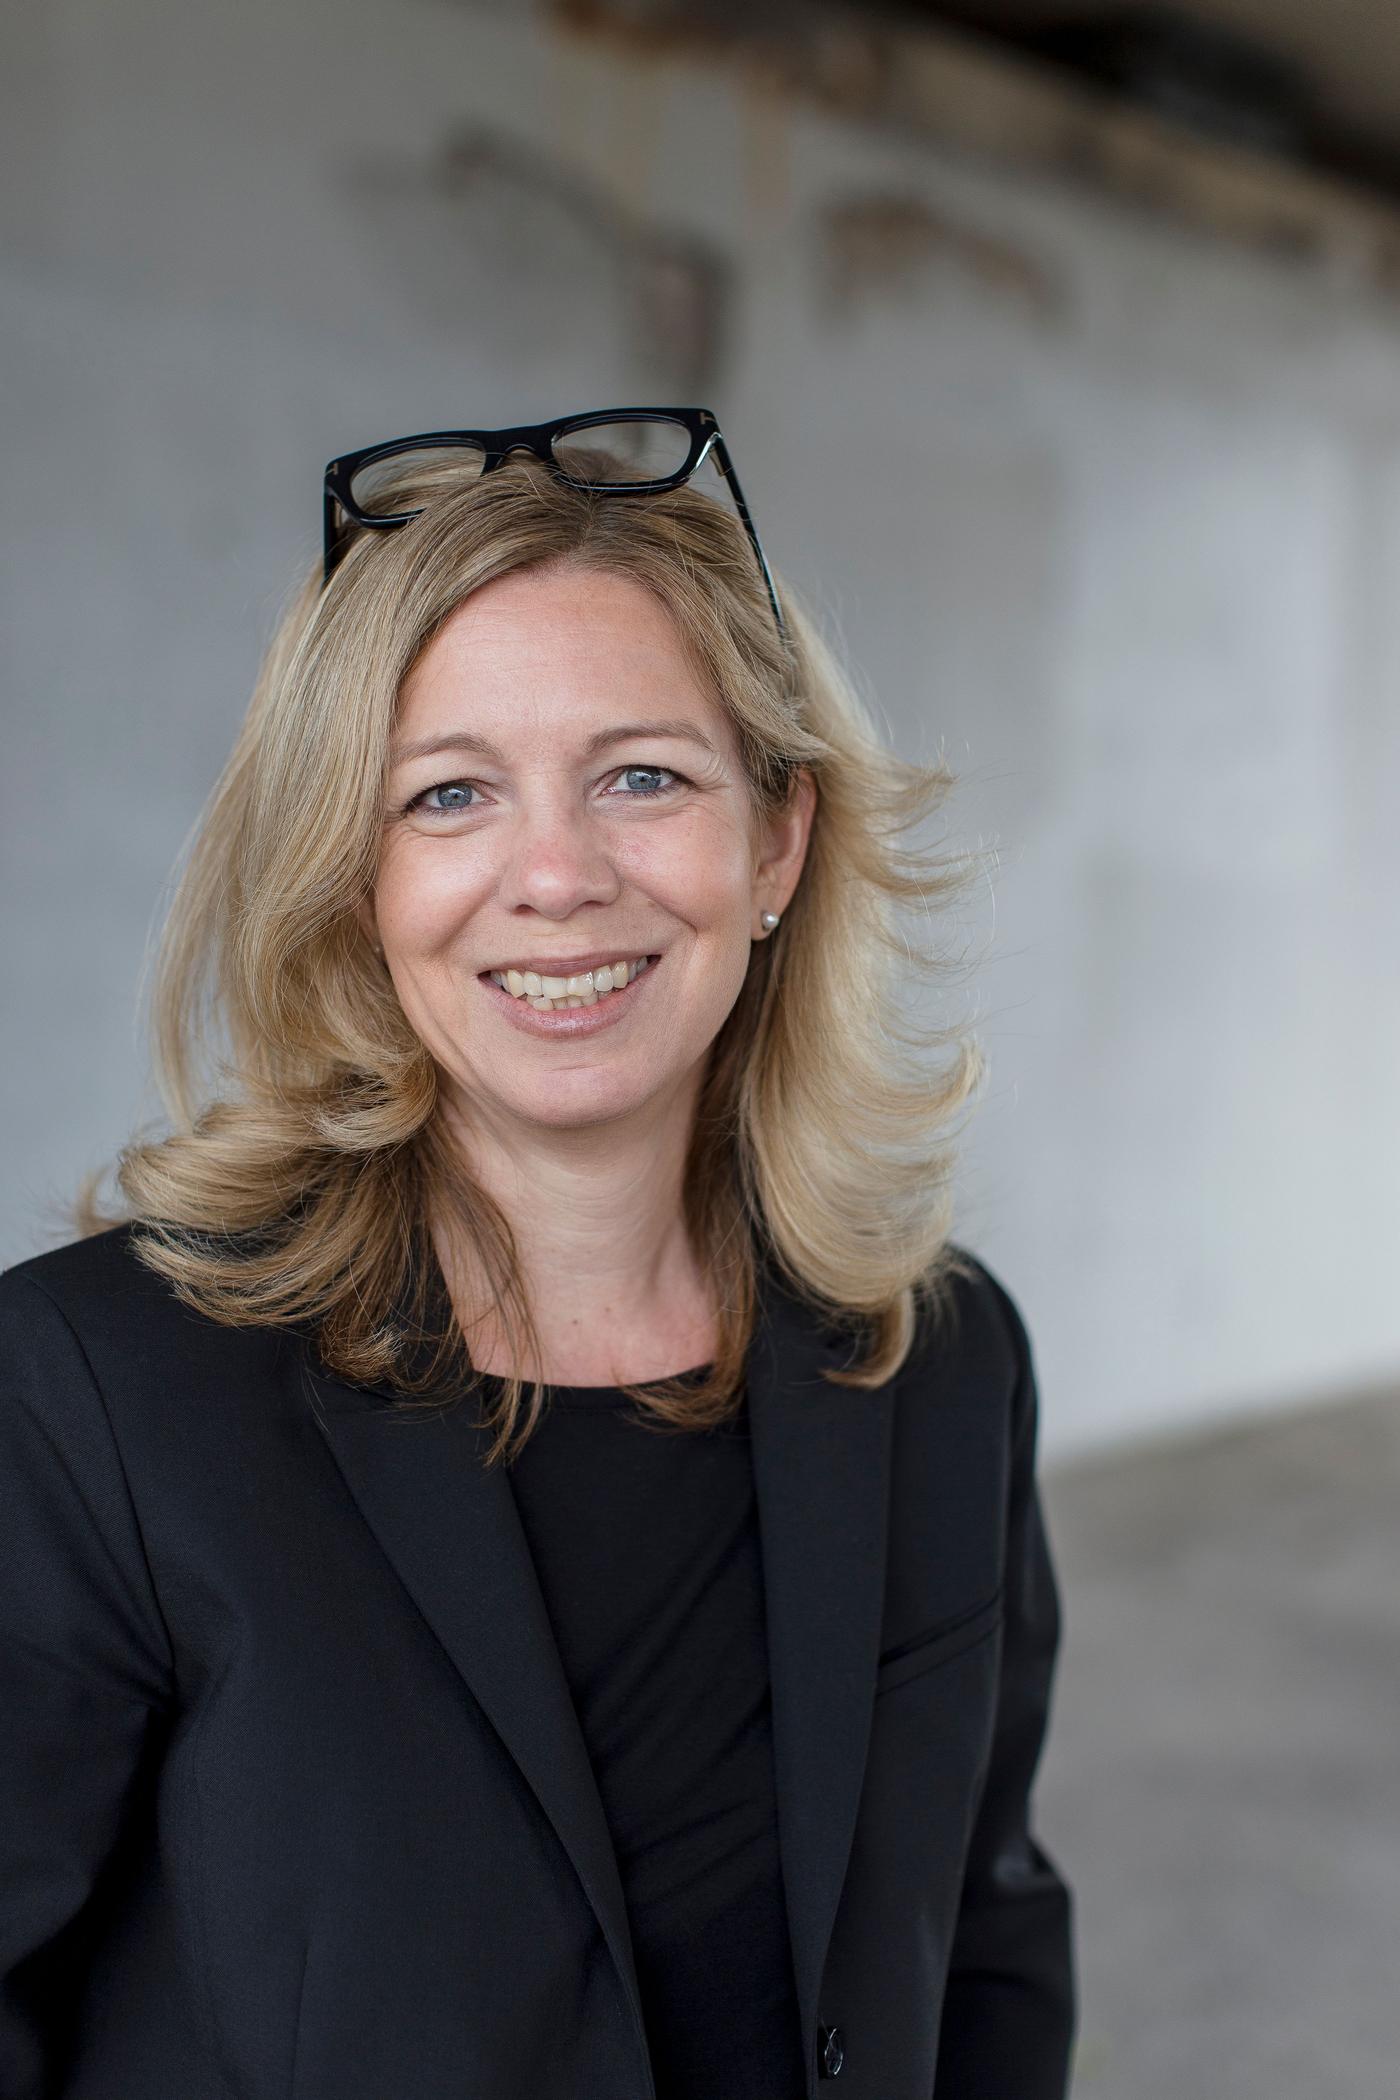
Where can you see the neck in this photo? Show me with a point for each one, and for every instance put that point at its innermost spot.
(606, 1262)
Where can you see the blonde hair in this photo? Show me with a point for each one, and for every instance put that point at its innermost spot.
(306, 1162)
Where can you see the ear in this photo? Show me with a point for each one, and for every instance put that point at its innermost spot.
(784, 844)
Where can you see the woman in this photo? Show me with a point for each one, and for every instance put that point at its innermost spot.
(523, 1570)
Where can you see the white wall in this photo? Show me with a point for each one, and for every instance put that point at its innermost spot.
(1110, 512)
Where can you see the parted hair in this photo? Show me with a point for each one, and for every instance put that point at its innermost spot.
(303, 1176)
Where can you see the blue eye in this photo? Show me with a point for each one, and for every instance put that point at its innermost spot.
(442, 787)
(421, 803)
(642, 794)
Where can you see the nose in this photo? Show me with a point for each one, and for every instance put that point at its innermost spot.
(555, 860)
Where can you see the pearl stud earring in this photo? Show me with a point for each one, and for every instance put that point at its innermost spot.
(768, 920)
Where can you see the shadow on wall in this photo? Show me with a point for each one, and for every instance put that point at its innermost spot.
(493, 243)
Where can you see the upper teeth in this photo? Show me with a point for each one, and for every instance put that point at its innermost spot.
(582, 990)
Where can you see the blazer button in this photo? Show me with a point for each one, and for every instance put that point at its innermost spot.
(831, 2052)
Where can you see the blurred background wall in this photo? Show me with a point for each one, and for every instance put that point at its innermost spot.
(1103, 503)
(1064, 378)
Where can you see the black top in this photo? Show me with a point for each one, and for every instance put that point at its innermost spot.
(647, 1549)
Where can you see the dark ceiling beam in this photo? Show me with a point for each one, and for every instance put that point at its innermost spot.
(960, 89)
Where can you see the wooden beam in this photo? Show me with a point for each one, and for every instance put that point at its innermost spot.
(957, 90)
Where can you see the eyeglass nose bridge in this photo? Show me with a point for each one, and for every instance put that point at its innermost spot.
(540, 445)
(497, 455)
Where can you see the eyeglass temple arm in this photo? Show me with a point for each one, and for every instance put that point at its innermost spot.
(333, 533)
(726, 467)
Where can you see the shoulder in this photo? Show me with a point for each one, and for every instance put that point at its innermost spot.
(75, 1580)
(98, 1286)
(970, 1380)
(109, 1380)
(97, 1303)
(972, 1322)
(90, 1284)
(103, 1272)
(962, 1404)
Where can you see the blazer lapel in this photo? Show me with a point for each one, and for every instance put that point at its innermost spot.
(452, 1531)
(821, 1475)
(821, 1459)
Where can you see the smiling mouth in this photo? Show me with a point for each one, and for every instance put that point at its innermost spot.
(548, 994)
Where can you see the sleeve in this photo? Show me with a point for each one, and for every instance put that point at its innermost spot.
(85, 1668)
(1010, 2006)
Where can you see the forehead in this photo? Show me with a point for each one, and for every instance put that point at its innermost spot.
(554, 655)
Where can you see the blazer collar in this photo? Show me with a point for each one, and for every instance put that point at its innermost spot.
(821, 1457)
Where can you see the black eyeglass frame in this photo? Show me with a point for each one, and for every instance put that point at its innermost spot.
(700, 425)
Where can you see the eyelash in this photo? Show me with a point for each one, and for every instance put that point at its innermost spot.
(419, 801)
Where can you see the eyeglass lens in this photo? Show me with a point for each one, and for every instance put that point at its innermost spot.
(618, 451)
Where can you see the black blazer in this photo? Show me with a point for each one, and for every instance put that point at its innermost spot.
(294, 1804)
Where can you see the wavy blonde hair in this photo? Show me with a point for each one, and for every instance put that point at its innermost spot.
(306, 1168)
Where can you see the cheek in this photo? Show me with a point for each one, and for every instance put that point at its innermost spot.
(422, 899)
(699, 866)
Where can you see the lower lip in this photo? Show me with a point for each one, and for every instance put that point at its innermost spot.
(572, 1022)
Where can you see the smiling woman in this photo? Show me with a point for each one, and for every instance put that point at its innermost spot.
(521, 1568)
(460, 756)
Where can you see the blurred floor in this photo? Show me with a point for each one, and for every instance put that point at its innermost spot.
(1222, 1785)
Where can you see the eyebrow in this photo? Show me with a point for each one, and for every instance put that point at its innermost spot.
(463, 740)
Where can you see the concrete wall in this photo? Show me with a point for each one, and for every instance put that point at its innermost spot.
(1106, 509)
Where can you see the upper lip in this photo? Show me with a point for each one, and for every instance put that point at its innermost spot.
(571, 965)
